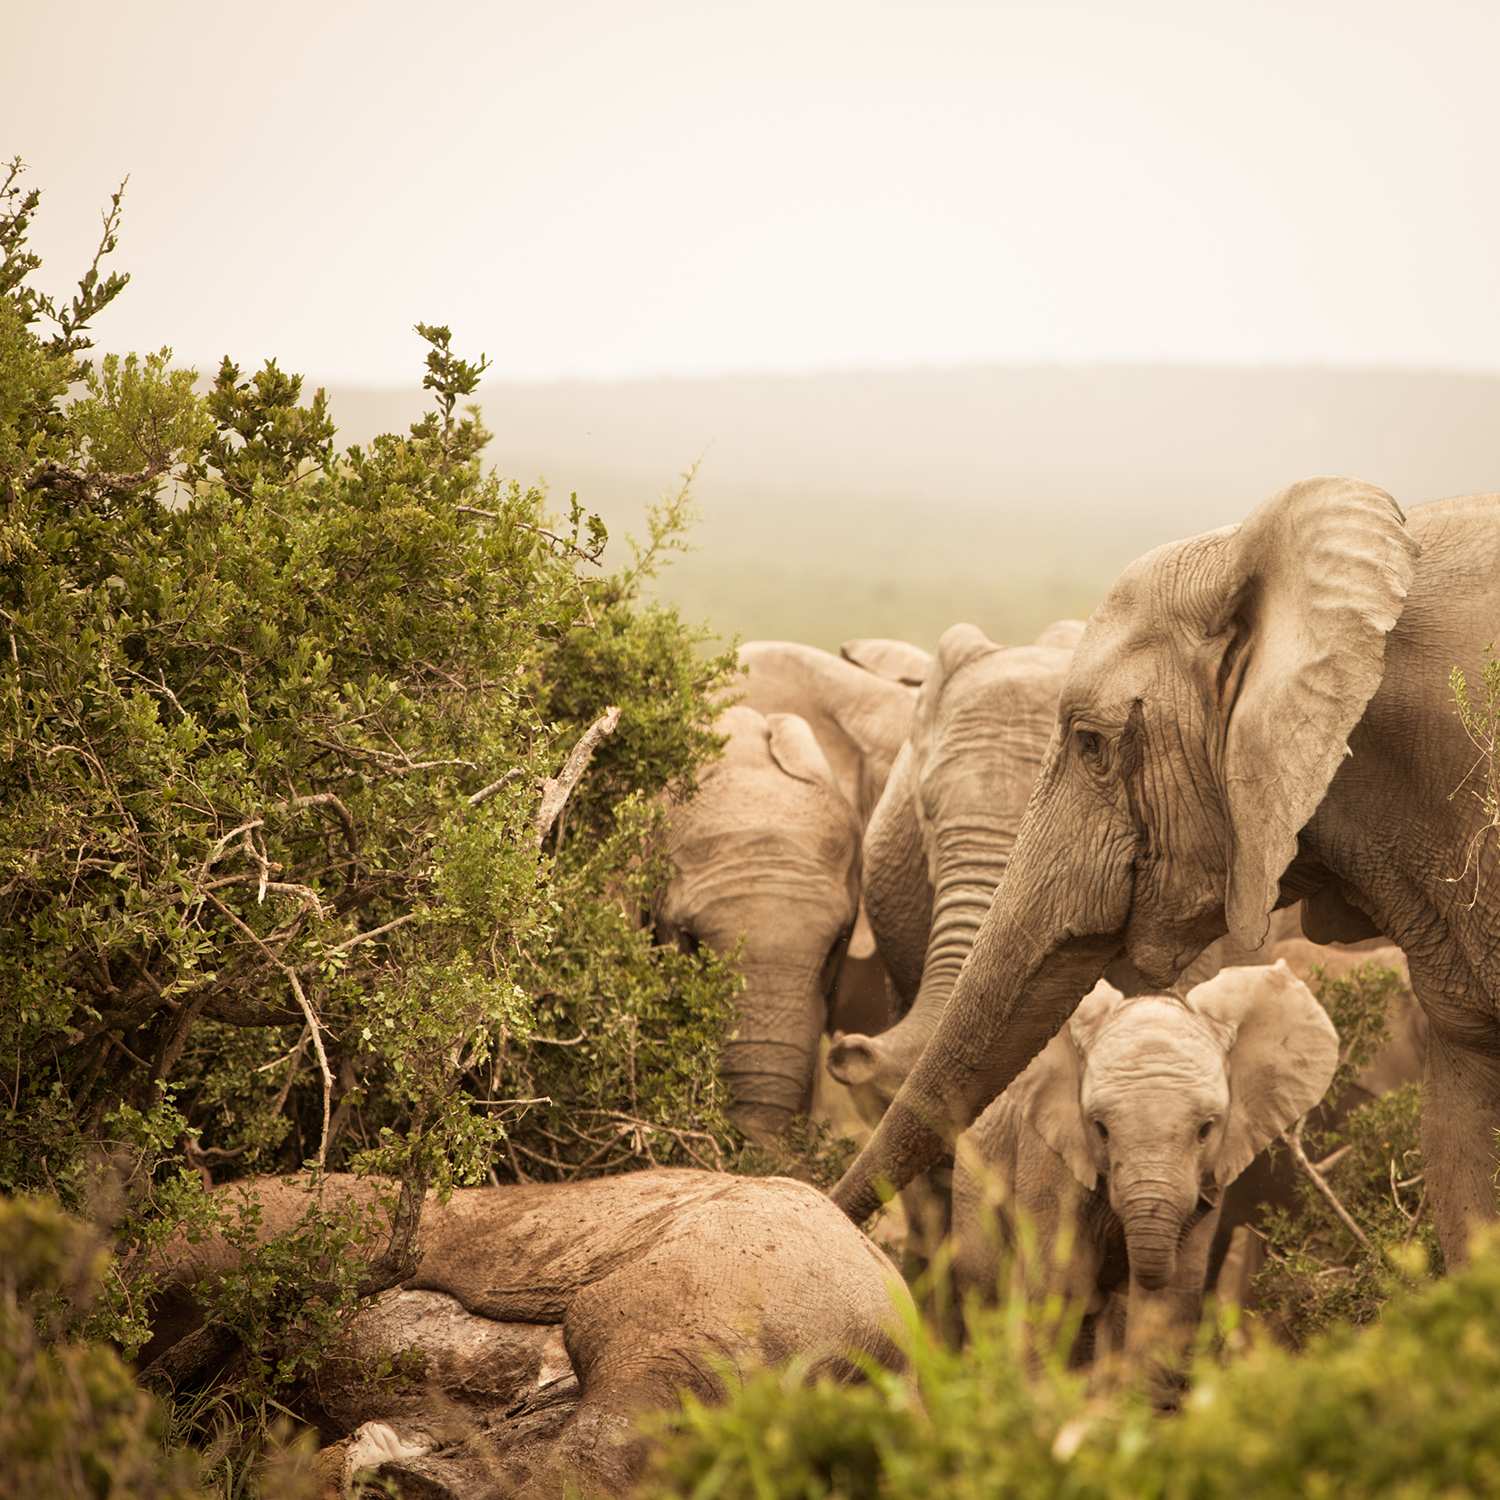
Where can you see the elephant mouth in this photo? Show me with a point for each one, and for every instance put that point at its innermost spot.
(1201, 1209)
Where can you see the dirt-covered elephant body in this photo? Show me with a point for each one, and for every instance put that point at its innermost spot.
(659, 1281)
(1255, 716)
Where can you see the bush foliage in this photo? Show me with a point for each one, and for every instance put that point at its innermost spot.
(276, 724)
(1319, 1272)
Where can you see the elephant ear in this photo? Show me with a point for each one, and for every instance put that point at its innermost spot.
(896, 661)
(1317, 576)
(1046, 1094)
(795, 748)
(1281, 1059)
(1064, 634)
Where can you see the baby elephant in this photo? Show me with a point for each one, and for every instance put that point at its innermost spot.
(1118, 1141)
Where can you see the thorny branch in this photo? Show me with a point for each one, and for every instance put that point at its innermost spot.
(541, 531)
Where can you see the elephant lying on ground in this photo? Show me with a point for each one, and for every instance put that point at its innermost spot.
(768, 849)
(1119, 1140)
(1254, 716)
(657, 1280)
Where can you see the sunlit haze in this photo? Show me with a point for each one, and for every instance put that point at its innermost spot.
(607, 190)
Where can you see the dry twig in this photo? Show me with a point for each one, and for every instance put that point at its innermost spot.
(556, 790)
(1293, 1137)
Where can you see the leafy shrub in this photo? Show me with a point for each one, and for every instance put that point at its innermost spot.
(282, 875)
(72, 1422)
(1319, 1272)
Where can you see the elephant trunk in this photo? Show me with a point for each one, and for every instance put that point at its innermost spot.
(971, 856)
(995, 1023)
(1043, 945)
(1153, 1223)
(770, 1053)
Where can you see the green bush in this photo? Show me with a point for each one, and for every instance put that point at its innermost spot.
(1319, 1274)
(276, 725)
(72, 1422)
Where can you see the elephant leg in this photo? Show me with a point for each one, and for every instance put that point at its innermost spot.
(1460, 1115)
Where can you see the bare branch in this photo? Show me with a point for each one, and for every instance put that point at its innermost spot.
(88, 488)
(317, 1041)
(485, 793)
(327, 799)
(215, 854)
(1293, 1137)
(541, 531)
(374, 932)
(556, 790)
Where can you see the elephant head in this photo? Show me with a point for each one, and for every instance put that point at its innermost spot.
(1207, 708)
(858, 707)
(1168, 1100)
(942, 834)
(768, 852)
(858, 715)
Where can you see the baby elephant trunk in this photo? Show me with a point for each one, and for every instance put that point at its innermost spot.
(1153, 1215)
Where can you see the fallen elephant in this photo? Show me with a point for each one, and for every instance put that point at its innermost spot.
(658, 1282)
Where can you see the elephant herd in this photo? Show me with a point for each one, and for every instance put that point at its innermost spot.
(1043, 900)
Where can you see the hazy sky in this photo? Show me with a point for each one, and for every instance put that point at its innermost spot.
(619, 188)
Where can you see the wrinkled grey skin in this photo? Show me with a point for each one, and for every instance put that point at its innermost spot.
(659, 1282)
(1117, 1142)
(1254, 716)
(941, 835)
(858, 715)
(768, 849)
(859, 707)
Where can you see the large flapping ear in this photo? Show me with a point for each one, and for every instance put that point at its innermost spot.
(896, 661)
(860, 719)
(1317, 576)
(795, 748)
(1281, 1059)
(1047, 1092)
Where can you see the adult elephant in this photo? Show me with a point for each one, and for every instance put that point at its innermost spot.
(942, 833)
(768, 852)
(659, 1283)
(859, 707)
(1253, 716)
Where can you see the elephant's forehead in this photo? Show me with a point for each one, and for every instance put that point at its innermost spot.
(1154, 1039)
(1159, 603)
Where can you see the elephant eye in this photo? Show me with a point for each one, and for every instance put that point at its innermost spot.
(1204, 1128)
(1103, 1133)
(1090, 745)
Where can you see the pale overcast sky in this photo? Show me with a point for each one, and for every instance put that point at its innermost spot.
(611, 188)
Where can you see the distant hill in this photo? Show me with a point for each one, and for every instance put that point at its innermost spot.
(895, 504)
